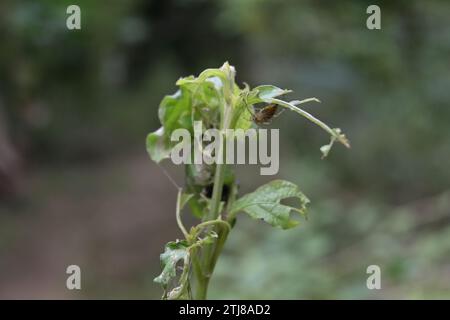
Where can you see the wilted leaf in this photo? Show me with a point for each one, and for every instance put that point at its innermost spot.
(264, 203)
(175, 112)
(198, 98)
(173, 253)
(265, 92)
(157, 146)
(245, 120)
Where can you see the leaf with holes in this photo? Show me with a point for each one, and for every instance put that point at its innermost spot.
(174, 252)
(265, 203)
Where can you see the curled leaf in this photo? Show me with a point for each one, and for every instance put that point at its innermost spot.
(157, 147)
(265, 92)
(174, 252)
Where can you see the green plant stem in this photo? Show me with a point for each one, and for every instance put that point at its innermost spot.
(223, 235)
(200, 278)
(225, 228)
(209, 250)
(210, 254)
(217, 192)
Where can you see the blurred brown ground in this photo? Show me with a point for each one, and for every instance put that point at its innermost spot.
(113, 236)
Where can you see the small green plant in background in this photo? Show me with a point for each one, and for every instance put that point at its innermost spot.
(210, 190)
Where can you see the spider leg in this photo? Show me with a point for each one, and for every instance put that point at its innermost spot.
(277, 114)
(252, 113)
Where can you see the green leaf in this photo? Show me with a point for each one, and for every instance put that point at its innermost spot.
(175, 112)
(242, 116)
(157, 147)
(197, 206)
(265, 92)
(206, 91)
(213, 77)
(197, 99)
(264, 203)
(245, 120)
(174, 252)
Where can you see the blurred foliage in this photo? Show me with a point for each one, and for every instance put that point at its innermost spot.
(328, 257)
(386, 201)
(77, 95)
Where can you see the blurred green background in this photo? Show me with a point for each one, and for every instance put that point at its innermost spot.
(77, 187)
